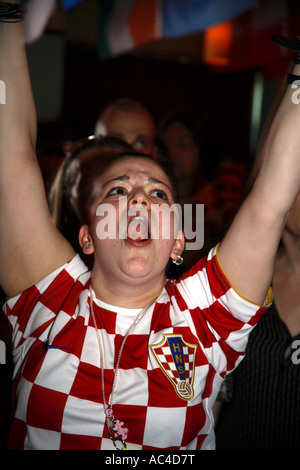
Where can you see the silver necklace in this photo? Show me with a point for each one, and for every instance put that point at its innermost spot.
(117, 433)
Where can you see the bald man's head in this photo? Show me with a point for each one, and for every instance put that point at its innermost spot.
(130, 121)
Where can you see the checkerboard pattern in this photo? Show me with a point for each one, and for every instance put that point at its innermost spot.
(58, 398)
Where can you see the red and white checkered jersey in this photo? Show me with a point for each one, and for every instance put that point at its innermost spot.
(170, 371)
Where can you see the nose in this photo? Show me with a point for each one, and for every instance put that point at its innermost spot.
(144, 203)
(139, 197)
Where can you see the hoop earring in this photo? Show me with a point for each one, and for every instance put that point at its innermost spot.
(178, 261)
(87, 246)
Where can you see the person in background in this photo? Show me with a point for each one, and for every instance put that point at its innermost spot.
(259, 404)
(182, 138)
(128, 120)
(183, 135)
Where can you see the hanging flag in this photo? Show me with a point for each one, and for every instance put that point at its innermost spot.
(37, 15)
(69, 4)
(182, 17)
(126, 24)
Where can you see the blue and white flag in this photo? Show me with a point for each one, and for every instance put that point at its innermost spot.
(69, 4)
(126, 24)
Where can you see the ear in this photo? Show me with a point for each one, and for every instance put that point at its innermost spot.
(178, 246)
(85, 240)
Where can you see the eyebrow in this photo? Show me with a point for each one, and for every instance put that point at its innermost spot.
(118, 178)
(127, 178)
(156, 181)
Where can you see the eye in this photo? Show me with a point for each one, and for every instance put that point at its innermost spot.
(159, 193)
(140, 143)
(117, 191)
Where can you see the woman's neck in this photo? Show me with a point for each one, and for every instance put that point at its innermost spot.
(131, 295)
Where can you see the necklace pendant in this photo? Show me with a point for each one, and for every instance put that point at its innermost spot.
(117, 433)
(110, 420)
(120, 430)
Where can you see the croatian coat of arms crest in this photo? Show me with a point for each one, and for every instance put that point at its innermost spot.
(176, 358)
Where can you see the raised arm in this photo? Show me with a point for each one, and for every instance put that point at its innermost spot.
(247, 253)
(30, 245)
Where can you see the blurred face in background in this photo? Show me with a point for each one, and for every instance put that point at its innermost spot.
(135, 127)
(181, 148)
(229, 187)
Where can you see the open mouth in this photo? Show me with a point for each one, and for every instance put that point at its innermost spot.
(138, 227)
